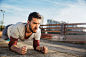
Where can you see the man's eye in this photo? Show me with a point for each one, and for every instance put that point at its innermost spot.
(38, 24)
(34, 23)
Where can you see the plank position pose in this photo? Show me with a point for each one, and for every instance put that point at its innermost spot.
(25, 32)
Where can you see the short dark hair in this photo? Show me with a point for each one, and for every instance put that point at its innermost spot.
(34, 15)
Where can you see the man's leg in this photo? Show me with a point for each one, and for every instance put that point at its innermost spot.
(4, 33)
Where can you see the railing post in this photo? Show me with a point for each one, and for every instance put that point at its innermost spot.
(62, 28)
(63, 32)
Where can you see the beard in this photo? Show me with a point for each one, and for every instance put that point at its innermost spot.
(31, 29)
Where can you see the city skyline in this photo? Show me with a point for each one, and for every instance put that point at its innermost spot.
(71, 11)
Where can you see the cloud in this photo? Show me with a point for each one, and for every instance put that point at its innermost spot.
(12, 9)
(58, 3)
(73, 14)
(16, 13)
(13, 14)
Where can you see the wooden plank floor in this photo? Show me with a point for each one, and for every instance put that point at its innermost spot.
(5, 52)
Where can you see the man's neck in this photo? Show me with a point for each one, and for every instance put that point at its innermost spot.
(28, 30)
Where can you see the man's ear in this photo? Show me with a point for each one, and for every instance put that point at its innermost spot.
(28, 21)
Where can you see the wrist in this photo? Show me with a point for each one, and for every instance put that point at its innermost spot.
(41, 49)
(19, 50)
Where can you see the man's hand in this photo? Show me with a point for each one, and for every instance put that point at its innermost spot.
(23, 50)
(44, 49)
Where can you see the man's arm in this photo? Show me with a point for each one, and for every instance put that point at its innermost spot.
(22, 50)
(43, 49)
(13, 46)
(36, 46)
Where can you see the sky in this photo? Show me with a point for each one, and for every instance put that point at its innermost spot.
(70, 11)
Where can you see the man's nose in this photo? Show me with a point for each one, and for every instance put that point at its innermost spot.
(37, 26)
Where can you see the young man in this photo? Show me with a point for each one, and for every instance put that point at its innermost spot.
(25, 32)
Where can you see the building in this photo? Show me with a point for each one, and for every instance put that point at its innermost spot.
(42, 20)
(50, 21)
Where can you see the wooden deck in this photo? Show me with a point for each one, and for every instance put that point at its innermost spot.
(55, 49)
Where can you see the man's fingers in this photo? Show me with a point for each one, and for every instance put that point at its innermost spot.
(24, 47)
(44, 49)
(24, 50)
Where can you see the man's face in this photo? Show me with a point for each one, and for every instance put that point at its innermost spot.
(34, 24)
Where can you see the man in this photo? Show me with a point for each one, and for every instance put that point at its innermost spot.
(25, 32)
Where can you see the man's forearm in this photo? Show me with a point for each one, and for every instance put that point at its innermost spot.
(15, 48)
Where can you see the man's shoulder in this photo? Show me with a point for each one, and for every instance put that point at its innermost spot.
(37, 34)
(39, 30)
(18, 30)
(20, 24)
